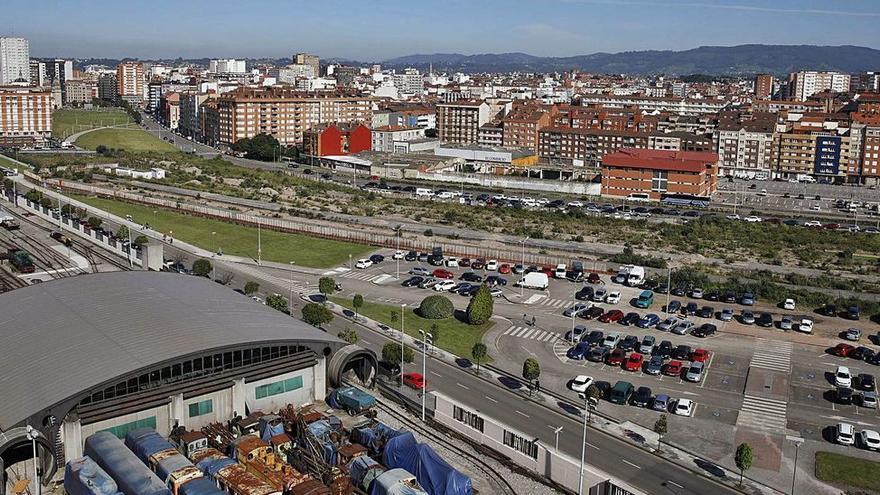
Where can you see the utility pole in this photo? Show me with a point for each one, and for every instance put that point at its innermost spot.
(259, 243)
(402, 310)
(521, 285)
(33, 434)
(668, 288)
(426, 339)
(290, 296)
(583, 445)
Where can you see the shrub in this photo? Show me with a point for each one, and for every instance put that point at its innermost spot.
(202, 267)
(480, 308)
(436, 307)
(391, 353)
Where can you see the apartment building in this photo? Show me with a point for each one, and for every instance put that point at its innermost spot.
(813, 145)
(25, 115)
(14, 60)
(744, 143)
(491, 134)
(804, 84)
(108, 87)
(639, 173)
(293, 72)
(777, 106)
(286, 113)
(78, 92)
(680, 141)
(763, 86)
(385, 137)
(209, 122)
(586, 147)
(337, 140)
(130, 82)
(599, 117)
(681, 106)
(522, 125)
(190, 121)
(312, 61)
(459, 122)
(226, 66)
(409, 82)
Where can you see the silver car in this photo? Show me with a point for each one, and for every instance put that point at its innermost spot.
(683, 327)
(694, 372)
(785, 323)
(428, 283)
(668, 324)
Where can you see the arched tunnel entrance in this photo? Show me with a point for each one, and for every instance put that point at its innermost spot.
(353, 358)
(16, 448)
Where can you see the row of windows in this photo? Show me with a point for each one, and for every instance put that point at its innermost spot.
(277, 388)
(520, 444)
(471, 419)
(121, 430)
(192, 369)
(201, 408)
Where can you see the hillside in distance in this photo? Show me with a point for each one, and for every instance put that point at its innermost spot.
(716, 60)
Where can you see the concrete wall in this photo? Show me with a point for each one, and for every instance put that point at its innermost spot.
(304, 395)
(558, 467)
(533, 186)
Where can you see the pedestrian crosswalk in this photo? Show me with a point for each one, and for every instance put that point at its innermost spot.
(773, 355)
(555, 303)
(361, 275)
(762, 413)
(296, 285)
(530, 333)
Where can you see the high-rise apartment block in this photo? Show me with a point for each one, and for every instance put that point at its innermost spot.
(226, 66)
(78, 92)
(108, 88)
(130, 82)
(763, 86)
(285, 113)
(409, 82)
(15, 62)
(460, 121)
(311, 60)
(744, 143)
(804, 84)
(25, 115)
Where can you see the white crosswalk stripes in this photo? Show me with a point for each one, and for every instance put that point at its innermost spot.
(298, 285)
(763, 413)
(530, 333)
(772, 355)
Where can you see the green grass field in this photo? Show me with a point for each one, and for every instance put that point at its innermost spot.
(853, 472)
(236, 239)
(6, 162)
(455, 336)
(125, 139)
(71, 120)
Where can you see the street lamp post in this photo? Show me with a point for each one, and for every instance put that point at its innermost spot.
(259, 243)
(397, 254)
(583, 444)
(402, 309)
(797, 443)
(556, 431)
(349, 262)
(33, 434)
(426, 339)
(290, 296)
(523, 274)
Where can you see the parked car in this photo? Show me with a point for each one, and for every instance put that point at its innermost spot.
(679, 290)
(642, 397)
(504, 268)
(729, 296)
(843, 395)
(668, 324)
(363, 263)
(576, 333)
(628, 343)
(842, 377)
(418, 270)
(616, 358)
(648, 321)
(704, 330)
(806, 325)
(411, 256)
(654, 365)
(664, 349)
(612, 316)
(452, 262)
(613, 297)
(673, 307)
(575, 310)
(682, 327)
(647, 345)
(853, 334)
(599, 294)
(706, 312)
(593, 312)
(580, 383)
(611, 340)
(786, 323)
(845, 434)
(694, 372)
(869, 439)
(428, 283)
(412, 282)
(868, 399)
(492, 265)
(634, 362)
(593, 278)
(853, 313)
(398, 255)
(471, 277)
(682, 352)
(747, 318)
(788, 304)
(584, 294)
(630, 319)
(697, 293)
(414, 380)
(842, 350)
(683, 407)
(478, 264)
(712, 295)
(660, 403)
(593, 338)
(599, 354)
(865, 381)
(578, 351)
(726, 314)
(495, 280)
(673, 368)
(691, 309)
(377, 258)
(443, 285)
(862, 353)
(747, 299)
(765, 320)
(441, 273)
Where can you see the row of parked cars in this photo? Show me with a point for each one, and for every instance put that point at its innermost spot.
(624, 392)
(859, 353)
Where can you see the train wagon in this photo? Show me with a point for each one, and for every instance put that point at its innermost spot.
(84, 476)
(131, 475)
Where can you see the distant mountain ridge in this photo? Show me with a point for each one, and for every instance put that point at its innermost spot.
(714, 60)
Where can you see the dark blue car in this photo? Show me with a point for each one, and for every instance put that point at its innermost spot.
(579, 351)
(648, 321)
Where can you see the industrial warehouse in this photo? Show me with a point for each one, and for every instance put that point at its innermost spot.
(121, 351)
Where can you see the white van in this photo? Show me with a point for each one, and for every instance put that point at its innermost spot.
(420, 191)
(535, 280)
(639, 197)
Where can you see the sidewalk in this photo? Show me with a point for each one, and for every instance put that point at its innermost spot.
(629, 432)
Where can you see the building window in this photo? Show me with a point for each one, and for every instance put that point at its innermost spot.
(276, 388)
(520, 444)
(120, 430)
(201, 408)
(471, 419)
(659, 181)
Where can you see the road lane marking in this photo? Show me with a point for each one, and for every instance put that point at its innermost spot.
(462, 386)
(631, 464)
(435, 373)
(591, 445)
(674, 484)
(491, 399)
(522, 413)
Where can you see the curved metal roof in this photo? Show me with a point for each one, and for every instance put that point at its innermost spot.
(63, 337)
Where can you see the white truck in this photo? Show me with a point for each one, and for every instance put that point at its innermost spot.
(631, 275)
(535, 280)
(560, 271)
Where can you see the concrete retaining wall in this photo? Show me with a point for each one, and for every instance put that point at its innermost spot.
(507, 182)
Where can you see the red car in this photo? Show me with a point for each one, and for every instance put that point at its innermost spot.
(505, 268)
(842, 350)
(547, 270)
(700, 355)
(441, 273)
(611, 316)
(414, 380)
(593, 312)
(634, 362)
(593, 278)
(616, 358)
(673, 368)
(478, 264)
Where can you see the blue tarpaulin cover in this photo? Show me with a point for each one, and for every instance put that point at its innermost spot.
(268, 430)
(131, 475)
(84, 477)
(200, 486)
(145, 442)
(396, 482)
(433, 473)
(374, 437)
(170, 465)
(212, 467)
(359, 466)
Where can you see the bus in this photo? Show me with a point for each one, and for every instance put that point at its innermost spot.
(677, 199)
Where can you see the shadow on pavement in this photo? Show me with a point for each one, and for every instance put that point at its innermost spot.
(709, 467)
(510, 383)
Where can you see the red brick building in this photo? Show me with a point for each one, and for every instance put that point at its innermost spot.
(633, 173)
(337, 139)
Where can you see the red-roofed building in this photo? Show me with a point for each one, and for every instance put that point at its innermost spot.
(648, 174)
(337, 139)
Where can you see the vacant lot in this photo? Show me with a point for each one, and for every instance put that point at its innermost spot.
(455, 336)
(236, 239)
(69, 121)
(135, 140)
(849, 471)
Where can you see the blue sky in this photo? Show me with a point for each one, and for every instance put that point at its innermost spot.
(372, 30)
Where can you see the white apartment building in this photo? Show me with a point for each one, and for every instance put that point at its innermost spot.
(805, 84)
(25, 115)
(15, 60)
(385, 137)
(226, 66)
(410, 82)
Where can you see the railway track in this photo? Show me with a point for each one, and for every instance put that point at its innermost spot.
(418, 426)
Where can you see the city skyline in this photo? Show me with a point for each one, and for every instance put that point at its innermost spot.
(82, 28)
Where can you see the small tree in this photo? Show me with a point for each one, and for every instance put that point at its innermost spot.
(593, 394)
(46, 202)
(203, 267)
(95, 221)
(391, 353)
(661, 427)
(357, 302)
(479, 353)
(251, 288)
(743, 459)
(141, 240)
(349, 336)
(122, 232)
(480, 308)
(326, 286)
(277, 302)
(395, 316)
(67, 209)
(531, 371)
(316, 314)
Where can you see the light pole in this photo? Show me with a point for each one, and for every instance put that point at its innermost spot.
(214, 243)
(33, 434)
(583, 444)
(259, 243)
(668, 288)
(556, 431)
(522, 285)
(402, 309)
(426, 339)
(797, 443)
(290, 296)
(349, 262)
(397, 254)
